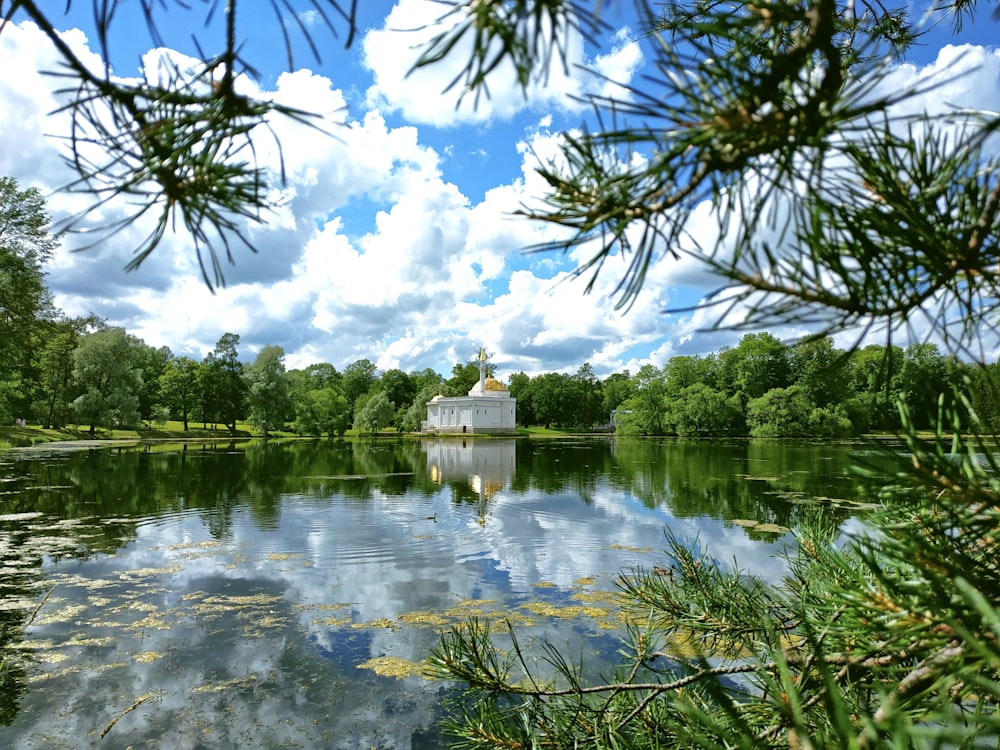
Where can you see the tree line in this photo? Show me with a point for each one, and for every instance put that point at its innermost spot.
(91, 374)
(765, 388)
(60, 371)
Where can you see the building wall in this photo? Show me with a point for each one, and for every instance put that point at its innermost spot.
(472, 414)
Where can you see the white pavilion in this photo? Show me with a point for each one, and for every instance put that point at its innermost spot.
(487, 410)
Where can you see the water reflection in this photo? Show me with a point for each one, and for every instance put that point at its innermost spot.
(249, 594)
(487, 466)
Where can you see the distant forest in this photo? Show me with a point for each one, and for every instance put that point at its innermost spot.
(59, 371)
(84, 372)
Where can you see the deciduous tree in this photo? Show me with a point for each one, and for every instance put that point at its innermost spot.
(464, 376)
(25, 245)
(107, 369)
(359, 377)
(268, 402)
(54, 391)
(758, 364)
(643, 413)
(377, 413)
(179, 387)
(700, 410)
(224, 388)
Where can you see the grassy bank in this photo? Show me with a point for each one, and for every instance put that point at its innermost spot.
(20, 437)
(33, 434)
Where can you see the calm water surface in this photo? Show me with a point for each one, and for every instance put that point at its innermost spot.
(283, 594)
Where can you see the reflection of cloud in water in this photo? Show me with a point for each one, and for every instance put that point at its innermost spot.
(254, 640)
(544, 537)
(224, 662)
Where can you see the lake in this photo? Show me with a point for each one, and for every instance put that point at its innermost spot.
(283, 594)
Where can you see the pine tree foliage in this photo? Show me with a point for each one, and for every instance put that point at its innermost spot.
(834, 203)
(837, 205)
(892, 640)
(178, 144)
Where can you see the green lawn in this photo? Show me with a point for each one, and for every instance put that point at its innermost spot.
(33, 434)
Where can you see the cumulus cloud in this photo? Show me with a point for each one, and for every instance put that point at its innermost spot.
(437, 95)
(378, 250)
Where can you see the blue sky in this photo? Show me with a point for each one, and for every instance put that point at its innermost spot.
(396, 241)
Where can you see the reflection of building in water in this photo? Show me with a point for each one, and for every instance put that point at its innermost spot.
(487, 466)
(488, 409)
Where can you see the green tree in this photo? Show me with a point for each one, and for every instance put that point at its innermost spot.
(209, 378)
(400, 389)
(758, 364)
(922, 376)
(318, 403)
(820, 369)
(54, 392)
(25, 246)
(179, 387)
(324, 410)
(416, 412)
(841, 205)
(224, 387)
(107, 369)
(700, 410)
(781, 412)
(358, 379)
(397, 386)
(552, 398)
(519, 386)
(375, 415)
(464, 376)
(322, 375)
(427, 384)
(681, 372)
(644, 412)
(153, 362)
(873, 375)
(587, 396)
(268, 402)
(982, 384)
(615, 390)
(425, 377)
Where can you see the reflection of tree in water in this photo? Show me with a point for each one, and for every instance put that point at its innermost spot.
(102, 496)
(771, 482)
(556, 466)
(266, 467)
(768, 481)
(349, 468)
(317, 464)
(142, 481)
(12, 622)
(383, 464)
(29, 540)
(40, 512)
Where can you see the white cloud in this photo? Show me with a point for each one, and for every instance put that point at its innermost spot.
(437, 94)
(375, 252)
